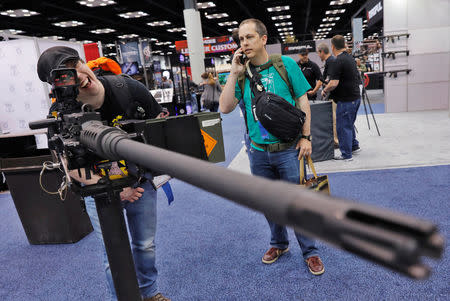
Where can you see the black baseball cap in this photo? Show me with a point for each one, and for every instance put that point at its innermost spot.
(53, 58)
(303, 50)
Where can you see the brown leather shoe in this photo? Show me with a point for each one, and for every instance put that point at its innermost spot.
(315, 265)
(273, 254)
(157, 297)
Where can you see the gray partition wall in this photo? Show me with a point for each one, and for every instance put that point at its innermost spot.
(427, 86)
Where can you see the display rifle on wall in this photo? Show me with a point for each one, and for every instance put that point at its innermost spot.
(391, 239)
(390, 54)
(393, 36)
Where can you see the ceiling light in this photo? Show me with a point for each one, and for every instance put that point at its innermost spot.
(282, 17)
(128, 36)
(172, 46)
(12, 31)
(231, 29)
(179, 29)
(285, 28)
(330, 19)
(53, 37)
(229, 23)
(283, 24)
(340, 2)
(103, 30)
(68, 24)
(203, 5)
(327, 24)
(133, 14)
(278, 8)
(334, 11)
(163, 43)
(110, 45)
(159, 23)
(216, 16)
(96, 3)
(18, 13)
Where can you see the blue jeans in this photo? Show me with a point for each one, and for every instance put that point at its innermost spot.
(213, 107)
(345, 121)
(194, 105)
(283, 165)
(141, 218)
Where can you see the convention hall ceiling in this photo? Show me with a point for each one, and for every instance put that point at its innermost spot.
(111, 20)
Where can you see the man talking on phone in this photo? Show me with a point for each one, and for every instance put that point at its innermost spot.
(269, 157)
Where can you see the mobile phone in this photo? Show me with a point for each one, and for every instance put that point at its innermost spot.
(242, 59)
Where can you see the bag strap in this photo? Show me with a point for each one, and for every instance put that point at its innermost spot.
(311, 165)
(278, 64)
(124, 96)
(256, 85)
(303, 168)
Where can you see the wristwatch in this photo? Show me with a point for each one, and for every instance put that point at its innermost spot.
(306, 137)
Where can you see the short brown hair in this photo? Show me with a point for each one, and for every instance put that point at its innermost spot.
(259, 26)
(338, 42)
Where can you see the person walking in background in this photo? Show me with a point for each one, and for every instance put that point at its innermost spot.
(211, 92)
(344, 87)
(324, 53)
(311, 71)
(166, 83)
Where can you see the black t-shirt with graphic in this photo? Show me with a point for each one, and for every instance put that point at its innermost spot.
(344, 69)
(311, 71)
(111, 108)
(328, 62)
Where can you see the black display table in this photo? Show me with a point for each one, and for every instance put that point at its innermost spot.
(45, 218)
(322, 130)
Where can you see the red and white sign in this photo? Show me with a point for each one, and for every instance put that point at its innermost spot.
(211, 45)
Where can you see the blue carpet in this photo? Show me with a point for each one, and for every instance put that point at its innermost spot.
(210, 249)
(377, 108)
(233, 134)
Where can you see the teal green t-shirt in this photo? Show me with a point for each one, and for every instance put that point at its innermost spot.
(274, 83)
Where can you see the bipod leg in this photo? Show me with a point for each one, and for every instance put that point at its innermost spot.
(371, 111)
(117, 245)
(365, 109)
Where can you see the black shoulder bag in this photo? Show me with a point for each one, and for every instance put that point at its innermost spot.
(278, 116)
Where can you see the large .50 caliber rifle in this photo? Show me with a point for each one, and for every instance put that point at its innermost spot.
(391, 239)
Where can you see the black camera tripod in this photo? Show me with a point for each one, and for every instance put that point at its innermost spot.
(364, 98)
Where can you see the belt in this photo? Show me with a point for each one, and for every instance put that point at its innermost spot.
(274, 147)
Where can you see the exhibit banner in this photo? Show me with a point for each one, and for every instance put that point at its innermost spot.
(293, 48)
(163, 95)
(357, 29)
(130, 52)
(374, 11)
(211, 45)
(147, 52)
(91, 51)
(23, 97)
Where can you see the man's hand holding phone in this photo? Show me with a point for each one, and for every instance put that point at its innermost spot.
(238, 64)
